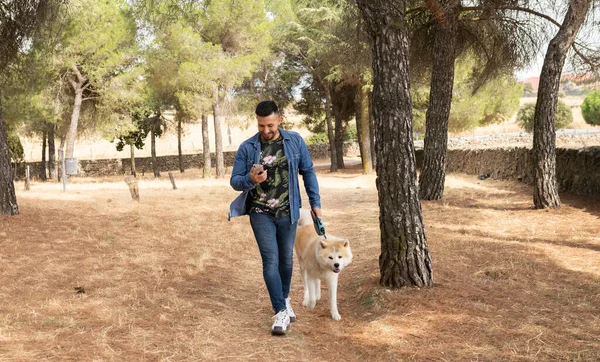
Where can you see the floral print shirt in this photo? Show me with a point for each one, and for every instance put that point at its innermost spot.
(272, 195)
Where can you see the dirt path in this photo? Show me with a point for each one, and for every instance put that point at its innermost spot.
(169, 279)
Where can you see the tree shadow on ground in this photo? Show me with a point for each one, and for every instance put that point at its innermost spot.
(589, 204)
(170, 278)
(492, 299)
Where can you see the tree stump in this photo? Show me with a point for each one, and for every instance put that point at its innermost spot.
(132, 183)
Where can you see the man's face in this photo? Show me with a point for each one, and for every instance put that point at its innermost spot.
(268, 126)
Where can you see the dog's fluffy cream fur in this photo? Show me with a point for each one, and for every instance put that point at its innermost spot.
(320, 258)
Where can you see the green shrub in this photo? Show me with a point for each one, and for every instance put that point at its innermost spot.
(590, 109)
(493, 102)
(351, 133)
(321, 137)
(418, 120)
(15, 147)
(564, 116)
(317, 138)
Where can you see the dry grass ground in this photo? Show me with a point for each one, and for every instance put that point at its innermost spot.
(89, 275)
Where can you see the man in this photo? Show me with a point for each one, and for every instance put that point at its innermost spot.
(266, 169)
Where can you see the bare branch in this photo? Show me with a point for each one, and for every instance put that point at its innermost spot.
(591, 63)
(80, 78)
(515, 8)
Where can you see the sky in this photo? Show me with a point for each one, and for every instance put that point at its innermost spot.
(533, 70)
(588, 35)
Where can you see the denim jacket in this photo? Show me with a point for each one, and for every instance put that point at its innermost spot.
(299, 162)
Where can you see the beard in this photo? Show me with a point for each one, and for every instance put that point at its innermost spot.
(269, 136)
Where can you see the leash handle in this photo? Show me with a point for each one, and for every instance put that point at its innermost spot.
(319, 227)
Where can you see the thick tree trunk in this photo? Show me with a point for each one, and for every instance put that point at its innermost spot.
(51, 152)
(153, 151)
(132, 153)
(218, 136)
(545, 190)
(330, 135)
(372, 132)
(179, 152)
(205, 147)
(8, 197)
(79, 84)
(433, 173)
(362, 128)
(43, 176)
(61, 152)
(74, 120)
(404, 259)
(339, 110)
(358, 117)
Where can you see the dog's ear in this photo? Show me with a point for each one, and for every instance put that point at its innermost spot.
(323, 244)
(346, 243)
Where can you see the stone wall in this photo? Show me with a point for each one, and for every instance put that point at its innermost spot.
(321, 151)
(564, 139)
(171, 163)
(577, 170)
(122, 166)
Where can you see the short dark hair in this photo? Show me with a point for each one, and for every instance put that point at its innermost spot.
(266, 108)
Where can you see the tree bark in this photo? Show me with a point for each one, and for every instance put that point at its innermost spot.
(433, 173)
(153, 150)
(134, 189)
(179, 152)
(8, 197)
(358, 118)
(132, 153)
(79, 85)
(61, 148)
(404, 259)
(339, 108)
(545, 190)
(74, 121)
(330, 135)
(372, 132)
(43, 176)
(205, 147)
(365, 132)
(51, 152)
(218, 136)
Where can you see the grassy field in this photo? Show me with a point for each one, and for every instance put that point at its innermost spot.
(89, 275)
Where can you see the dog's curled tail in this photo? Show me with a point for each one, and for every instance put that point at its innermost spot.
(305, 218)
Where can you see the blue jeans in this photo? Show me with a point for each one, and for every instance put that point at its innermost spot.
(275, 238)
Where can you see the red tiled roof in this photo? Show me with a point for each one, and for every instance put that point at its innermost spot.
(576, 77)
(534, 81)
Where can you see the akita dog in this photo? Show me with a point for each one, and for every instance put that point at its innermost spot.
(320, 257)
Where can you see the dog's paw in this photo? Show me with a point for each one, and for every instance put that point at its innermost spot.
(336, 316)
(311, 304)
(318, 295)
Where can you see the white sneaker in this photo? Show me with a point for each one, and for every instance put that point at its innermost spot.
(290, 311)
(281, 323)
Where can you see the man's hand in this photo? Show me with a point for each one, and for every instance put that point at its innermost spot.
(258, 174)
(316, 212)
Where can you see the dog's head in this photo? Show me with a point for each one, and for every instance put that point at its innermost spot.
(335, 253)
